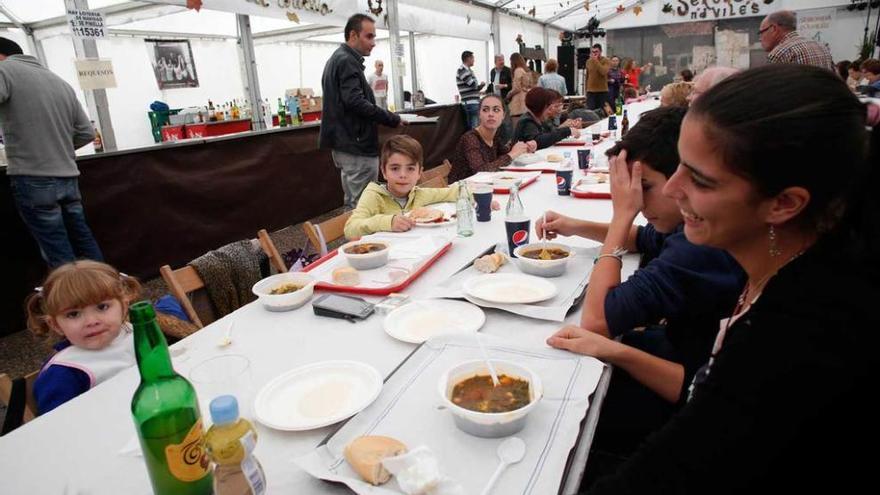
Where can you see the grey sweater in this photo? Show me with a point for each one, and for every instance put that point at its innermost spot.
(41, 119)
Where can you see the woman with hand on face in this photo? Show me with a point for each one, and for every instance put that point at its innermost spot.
(537, 124)
(480, 149)
(782, 400)
(688, 287)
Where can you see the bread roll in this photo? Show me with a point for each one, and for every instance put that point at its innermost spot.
(365, 454)
(346, 275)
(424, 214)
(554, 157)
(490, 263)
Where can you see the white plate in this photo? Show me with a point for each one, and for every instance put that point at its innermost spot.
(529, 159)
(510, 288)
(418, 321)
(447, 209)
(317, 395)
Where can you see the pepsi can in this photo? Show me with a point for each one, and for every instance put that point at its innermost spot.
(517, 232)
(612, 122)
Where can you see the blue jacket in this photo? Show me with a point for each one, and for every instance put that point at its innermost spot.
(691, 287)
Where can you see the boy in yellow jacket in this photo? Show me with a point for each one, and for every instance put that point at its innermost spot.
(382, 208)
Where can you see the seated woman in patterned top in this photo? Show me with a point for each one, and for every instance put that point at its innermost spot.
(479, 150)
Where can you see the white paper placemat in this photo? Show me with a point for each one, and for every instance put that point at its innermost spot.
(407, 253)
(571, 284)
(412, 392)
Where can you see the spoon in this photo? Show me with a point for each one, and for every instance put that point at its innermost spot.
(510, 452)
(489, 365)
(227, 339)
(544, 254)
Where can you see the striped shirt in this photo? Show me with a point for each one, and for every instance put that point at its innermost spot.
(794, 49)
(467, 84)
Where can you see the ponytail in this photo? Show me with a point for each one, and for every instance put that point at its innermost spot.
(37, 319)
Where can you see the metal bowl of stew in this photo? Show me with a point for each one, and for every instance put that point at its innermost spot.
(484, 410)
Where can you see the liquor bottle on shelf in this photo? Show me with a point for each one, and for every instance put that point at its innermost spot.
(282, 114)
(98, 143)
(212, 112)
(236, 112)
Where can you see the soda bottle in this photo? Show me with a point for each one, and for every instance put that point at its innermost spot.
(230, 443)
(464, 211)
(282, 114)
(516, 223)
(166, 414)
(624, 124)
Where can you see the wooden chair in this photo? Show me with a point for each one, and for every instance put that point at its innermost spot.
(271, 251)
(181, 283)
(438, 181)
(441, 170)
(30, 405)
(326, 232)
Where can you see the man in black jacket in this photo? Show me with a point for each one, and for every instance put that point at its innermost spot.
(350, 115)
(500, 78)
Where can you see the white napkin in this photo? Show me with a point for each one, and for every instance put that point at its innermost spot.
(418, 473)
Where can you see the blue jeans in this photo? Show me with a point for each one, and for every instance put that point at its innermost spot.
(52, 210)
(472, 114)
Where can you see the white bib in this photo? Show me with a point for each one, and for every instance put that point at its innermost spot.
(101, 364)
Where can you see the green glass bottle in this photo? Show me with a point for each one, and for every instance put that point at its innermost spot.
(166, 414)
(282, 114)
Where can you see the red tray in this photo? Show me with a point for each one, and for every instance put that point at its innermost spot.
(381, 291)
(506, 190)
(572, 143)
(590, 195)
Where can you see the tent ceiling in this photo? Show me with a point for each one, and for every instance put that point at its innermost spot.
(572, 12)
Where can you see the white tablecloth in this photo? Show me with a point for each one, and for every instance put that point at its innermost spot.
(75, 449)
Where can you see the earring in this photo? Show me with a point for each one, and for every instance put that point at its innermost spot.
(774, 247)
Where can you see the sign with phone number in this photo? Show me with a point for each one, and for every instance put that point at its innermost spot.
(86, 24)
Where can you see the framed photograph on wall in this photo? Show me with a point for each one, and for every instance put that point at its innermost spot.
(173, 63)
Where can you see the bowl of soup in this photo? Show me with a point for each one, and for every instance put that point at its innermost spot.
(365, 255)
(285, 291)
(544, 259)
(481, 408)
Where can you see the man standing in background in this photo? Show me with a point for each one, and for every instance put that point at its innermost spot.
(43, 125)
(469, 89)
(779, 37)
(379, 83)
(597, 78)
(350, 116)
(501, 78)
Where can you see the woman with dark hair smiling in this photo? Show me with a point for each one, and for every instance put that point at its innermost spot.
(679, 294)
(782, 401)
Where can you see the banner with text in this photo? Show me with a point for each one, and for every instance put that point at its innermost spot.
(86, 24)
(95, 74)
(714, 10)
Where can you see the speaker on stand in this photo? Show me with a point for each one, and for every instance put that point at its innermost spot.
(565, 57)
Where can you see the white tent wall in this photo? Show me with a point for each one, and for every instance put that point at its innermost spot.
(216, 65)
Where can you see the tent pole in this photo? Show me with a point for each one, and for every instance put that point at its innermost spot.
(96, 99)
(246, 44)
(412, 62)
(396, 56)
(496, 31)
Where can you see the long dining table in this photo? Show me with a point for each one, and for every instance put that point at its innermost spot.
(85, 445)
